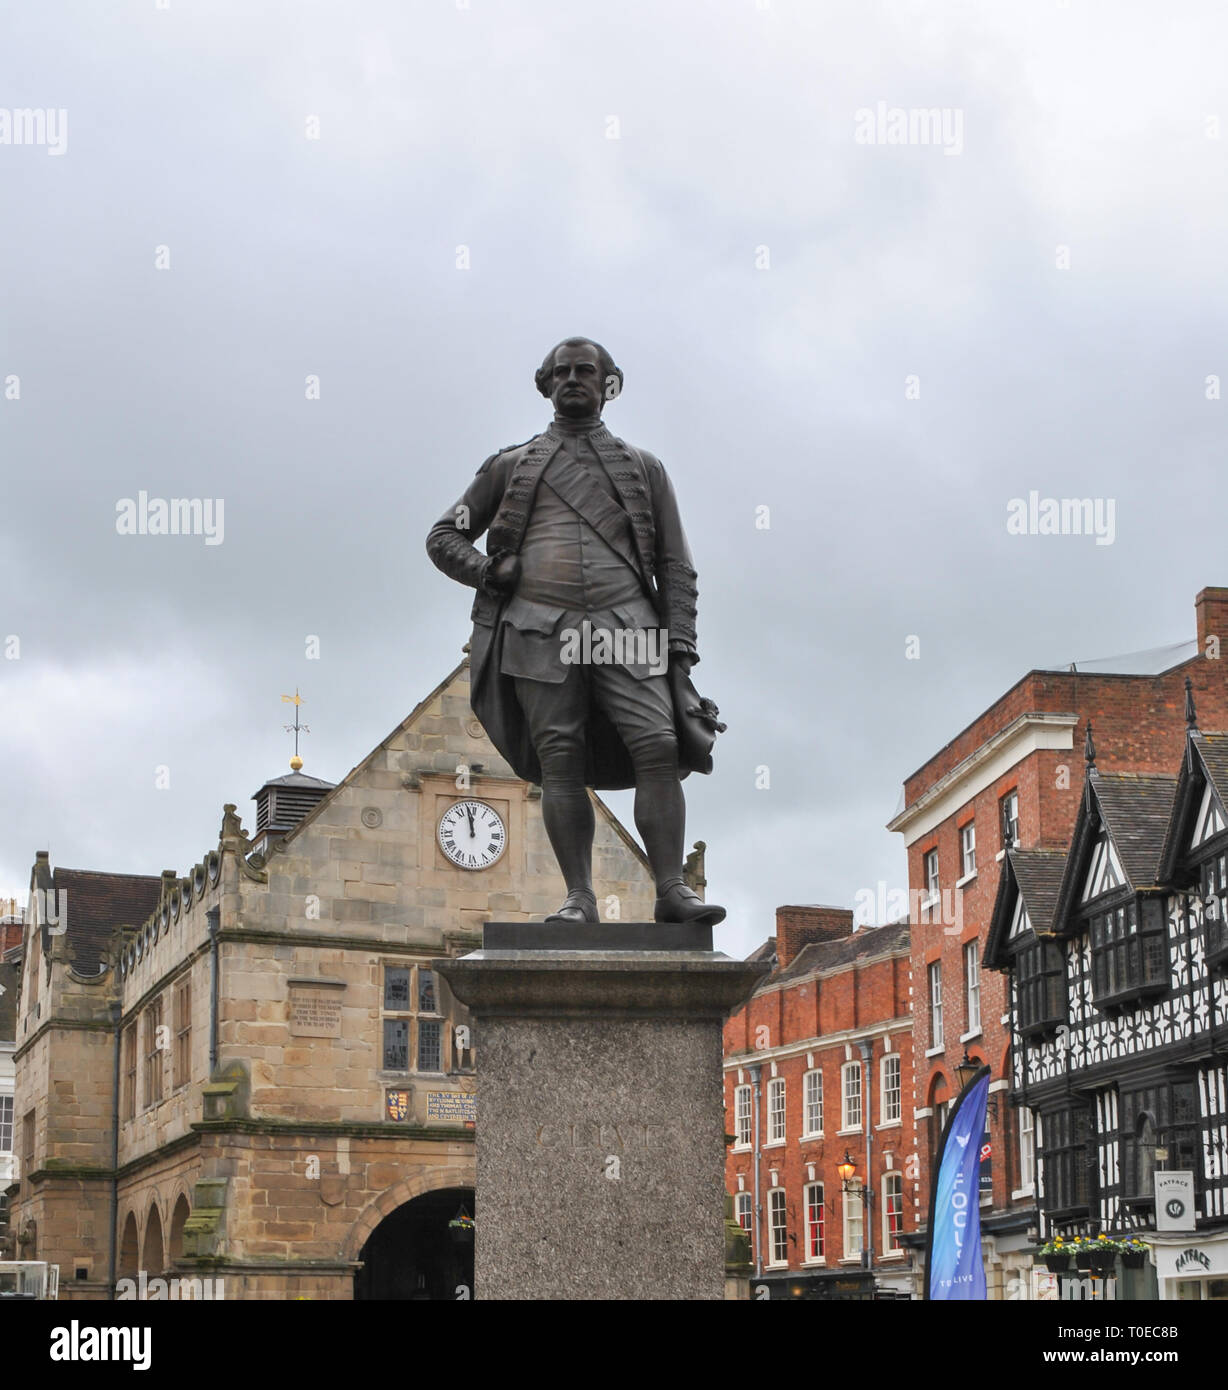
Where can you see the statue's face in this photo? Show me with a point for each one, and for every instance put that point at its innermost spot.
(576, 386)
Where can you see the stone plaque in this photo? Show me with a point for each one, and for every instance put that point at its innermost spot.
(315, 1012)
(451, 1107)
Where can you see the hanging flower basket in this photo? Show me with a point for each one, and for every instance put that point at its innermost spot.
(1057, 1263)
(1133, 1259)
(460, 1228)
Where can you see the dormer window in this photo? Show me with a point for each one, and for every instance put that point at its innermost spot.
(1129, 950)
(1214, 875)
(1040, 988)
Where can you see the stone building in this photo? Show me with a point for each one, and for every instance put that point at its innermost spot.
(10, 954)
(1014, 778)
(818, 1094)
(249, 1073)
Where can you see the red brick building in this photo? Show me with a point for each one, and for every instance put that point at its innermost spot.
(1015, 775)
(818, 1068)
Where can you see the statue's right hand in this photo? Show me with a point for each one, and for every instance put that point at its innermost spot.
(504, 573)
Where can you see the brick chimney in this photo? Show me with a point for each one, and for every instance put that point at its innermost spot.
(803, 926)
(1211, 612)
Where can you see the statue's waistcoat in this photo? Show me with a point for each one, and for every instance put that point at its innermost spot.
(626, 471)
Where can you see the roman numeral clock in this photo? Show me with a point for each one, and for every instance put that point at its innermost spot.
(472, 834)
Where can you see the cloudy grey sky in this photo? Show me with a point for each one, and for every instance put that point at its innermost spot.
(1050, 273)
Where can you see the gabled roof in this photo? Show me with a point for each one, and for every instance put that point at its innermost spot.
(1036, 876)
(1205, 764)
(822, 956)
(96, 903)
(1135, 809)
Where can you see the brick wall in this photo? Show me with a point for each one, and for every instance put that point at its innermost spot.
(815, 1022)
(803, 926)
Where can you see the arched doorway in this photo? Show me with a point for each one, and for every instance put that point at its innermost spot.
(413, 1255)
(129, 1250)
(152, 1254)
(178, 1220)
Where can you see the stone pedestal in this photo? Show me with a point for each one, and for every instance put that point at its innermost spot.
(600, 1119)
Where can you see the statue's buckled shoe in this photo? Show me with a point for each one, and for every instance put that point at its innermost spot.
(683, 904)
(580, 906)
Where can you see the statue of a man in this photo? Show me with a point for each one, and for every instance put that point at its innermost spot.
(584, 628)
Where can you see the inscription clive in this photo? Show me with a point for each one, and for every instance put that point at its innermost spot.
(592, 1135)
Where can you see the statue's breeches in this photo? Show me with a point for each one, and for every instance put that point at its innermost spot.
(640, 710)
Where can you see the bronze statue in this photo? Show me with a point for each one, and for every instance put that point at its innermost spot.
(584, 628)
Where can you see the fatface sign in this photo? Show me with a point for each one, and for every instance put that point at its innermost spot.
(1174, 1201)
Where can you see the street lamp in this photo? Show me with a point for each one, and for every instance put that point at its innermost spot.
(966, 1069)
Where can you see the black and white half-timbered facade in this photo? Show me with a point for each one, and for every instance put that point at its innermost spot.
(1117, 951)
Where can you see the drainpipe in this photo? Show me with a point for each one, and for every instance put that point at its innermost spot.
(213, 917)
(117, 1015)
(867, 1229)
(755, 1073)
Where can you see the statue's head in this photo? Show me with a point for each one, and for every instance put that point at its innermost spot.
(579, 376)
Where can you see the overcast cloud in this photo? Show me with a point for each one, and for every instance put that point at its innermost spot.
(767, 282)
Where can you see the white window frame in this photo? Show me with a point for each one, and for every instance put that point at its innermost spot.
(812, 1083)
(1009, 802)
(891, 1062)
(967, 851)
(778, 1229)
(7, 1107)
(892, 1244)
(848, 1072)
(743, 1119)
(1027, 1151)
(972, 986)
(854, 1225)
(934, 976)
(776, 1125)
(812, 1256)
(744, 1212)
(929, 867)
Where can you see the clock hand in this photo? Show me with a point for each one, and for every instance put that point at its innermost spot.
(469, 813)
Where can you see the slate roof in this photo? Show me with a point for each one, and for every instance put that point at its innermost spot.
(765, 952)
(1213, 749)
(1207, 756)
(96, 903)
(831, 955)
(1038, 875)
(295, 779)
(1038, 872)
(1137, 809)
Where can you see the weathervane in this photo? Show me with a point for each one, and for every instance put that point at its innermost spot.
(296, 728)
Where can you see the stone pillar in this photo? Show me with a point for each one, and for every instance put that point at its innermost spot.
(600, 1115)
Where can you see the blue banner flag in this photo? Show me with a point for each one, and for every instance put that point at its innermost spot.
(953, 1267)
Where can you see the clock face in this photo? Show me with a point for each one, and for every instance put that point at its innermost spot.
(472, 834)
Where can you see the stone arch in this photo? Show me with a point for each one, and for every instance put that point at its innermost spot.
(179, 1215)
(938, 1089)
(129, 1249)
(153, 1251)
(429, 1180)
